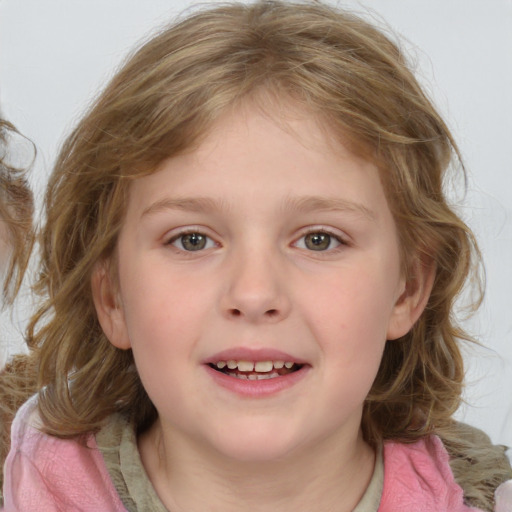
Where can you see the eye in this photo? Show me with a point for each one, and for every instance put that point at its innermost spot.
(319, 241)
(192, 242)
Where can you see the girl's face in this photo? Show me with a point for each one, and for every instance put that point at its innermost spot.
(267, 247)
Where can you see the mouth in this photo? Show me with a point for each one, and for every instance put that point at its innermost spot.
(255, 370)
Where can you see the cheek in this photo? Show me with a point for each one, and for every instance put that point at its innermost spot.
(349, 317)
(358, 303)
(164, 310)
(162, 337)
(166, 319)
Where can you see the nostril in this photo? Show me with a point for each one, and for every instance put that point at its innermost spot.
(269, 313)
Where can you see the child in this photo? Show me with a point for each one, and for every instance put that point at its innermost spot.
(250, 268)
(16, 209)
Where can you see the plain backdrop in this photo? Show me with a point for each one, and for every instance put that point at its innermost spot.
(55, 55)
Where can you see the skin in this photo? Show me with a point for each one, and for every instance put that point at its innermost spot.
(258, 284)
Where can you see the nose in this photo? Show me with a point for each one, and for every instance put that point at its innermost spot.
(256, 289)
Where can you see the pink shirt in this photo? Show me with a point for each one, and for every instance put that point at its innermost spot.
(417, 477)
(47, 474)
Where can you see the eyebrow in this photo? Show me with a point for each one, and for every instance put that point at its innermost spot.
(305, 204)
(189, 204)
(319, 203)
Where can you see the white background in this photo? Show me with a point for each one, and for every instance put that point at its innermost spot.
(56, 54)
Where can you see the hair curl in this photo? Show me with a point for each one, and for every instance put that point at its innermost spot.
(162, 101)
(16, 213)
(18, 377)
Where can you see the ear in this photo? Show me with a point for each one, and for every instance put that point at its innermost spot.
(413, 299)
(108, 308)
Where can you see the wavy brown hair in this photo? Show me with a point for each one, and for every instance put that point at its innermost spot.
(18, 377)
(162, 102)
(16, 212)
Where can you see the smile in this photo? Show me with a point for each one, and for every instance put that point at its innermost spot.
(258, 370)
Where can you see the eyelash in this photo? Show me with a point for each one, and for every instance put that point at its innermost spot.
(210, 243)
(322, 231)
(180, 236)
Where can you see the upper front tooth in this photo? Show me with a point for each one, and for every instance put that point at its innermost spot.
(249, 366)
(246, 366)
(263, 366)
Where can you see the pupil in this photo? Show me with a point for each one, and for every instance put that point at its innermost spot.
(193, 242)
(318, 241)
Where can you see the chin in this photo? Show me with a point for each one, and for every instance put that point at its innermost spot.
(256, 445)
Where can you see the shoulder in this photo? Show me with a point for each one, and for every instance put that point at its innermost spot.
(44, 472)
(478, 465)
(418, 477)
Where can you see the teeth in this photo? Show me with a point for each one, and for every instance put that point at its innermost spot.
(249, 366)
(254, 376)
(272, 375)
(262, 366)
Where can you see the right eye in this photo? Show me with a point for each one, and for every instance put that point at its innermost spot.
(192, 242)
(319, 241)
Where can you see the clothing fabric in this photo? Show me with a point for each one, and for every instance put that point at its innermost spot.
(46, 474)
(417, 477)
(104, 473)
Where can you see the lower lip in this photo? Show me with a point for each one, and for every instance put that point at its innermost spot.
(258, 388)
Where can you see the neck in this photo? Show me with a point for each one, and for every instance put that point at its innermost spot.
(327, 476)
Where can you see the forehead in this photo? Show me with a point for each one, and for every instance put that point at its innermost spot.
(250, 156)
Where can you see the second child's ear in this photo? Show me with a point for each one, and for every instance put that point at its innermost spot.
(413, 300)
(108, 306)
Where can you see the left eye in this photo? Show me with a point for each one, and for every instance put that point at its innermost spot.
(318, 241)
(192, 242)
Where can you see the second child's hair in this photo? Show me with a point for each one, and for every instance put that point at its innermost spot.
(161, 103)
(18, 377)
(16, 212)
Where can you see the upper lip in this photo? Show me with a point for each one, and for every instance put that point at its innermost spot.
(254, 355)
